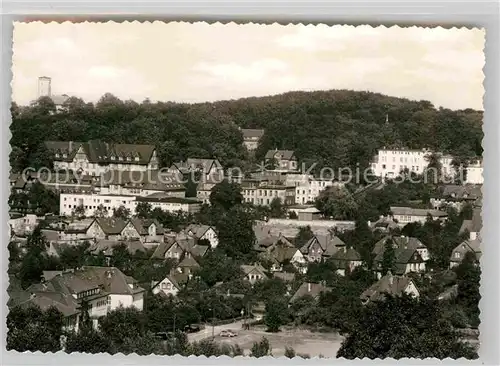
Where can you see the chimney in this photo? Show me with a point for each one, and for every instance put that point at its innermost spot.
(309, 287)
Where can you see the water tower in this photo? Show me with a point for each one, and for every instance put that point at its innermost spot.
(44, 87)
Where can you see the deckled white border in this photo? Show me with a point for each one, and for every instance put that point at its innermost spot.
(445, 13)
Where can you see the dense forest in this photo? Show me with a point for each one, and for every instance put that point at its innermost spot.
(335, 128)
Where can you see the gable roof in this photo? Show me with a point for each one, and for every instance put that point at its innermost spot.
(284, 276)
(461, 192)
(309, 288)
(172, 280)
(142, 225)
(111, 225)
(473, 246)
(107, 246)
(402, 258)
(393, 285)
(475, 224)
(285, 154)
(247, 269)
(188, 262)
(283, 254)
(198, 230)
(402, 242)
(101, 152)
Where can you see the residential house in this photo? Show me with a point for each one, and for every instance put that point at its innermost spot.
(188, 266)
(456, 196)
(309, 289)
(281, 255)
(96, 157)
(391, 285)
(251, 138)
(473, 243)
(253, 273)
(321, 247)
(402, 242)
(151, 232)
(167, 286)
(384, 224)
(407, 257)
(281, 159)
(346, 260)
(306, 213)
(107, 246)
(266, 243)
(203, 232)
(405, 215)
(23, 225)
(103, 288)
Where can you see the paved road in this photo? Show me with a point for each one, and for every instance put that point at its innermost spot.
(207, 332)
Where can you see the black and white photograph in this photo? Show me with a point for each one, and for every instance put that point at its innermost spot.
(297, 191)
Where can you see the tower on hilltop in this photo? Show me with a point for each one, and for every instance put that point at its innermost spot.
(44, 86)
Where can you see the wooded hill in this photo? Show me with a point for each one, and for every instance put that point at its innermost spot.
(335, 128)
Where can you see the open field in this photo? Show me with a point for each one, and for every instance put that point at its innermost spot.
(302, 341)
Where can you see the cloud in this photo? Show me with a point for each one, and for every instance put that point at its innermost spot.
(252, 72)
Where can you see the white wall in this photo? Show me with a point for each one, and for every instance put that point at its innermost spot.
(123, 300)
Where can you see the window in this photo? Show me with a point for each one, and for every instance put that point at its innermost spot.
(457, 255)
(383, 166)
(169, 286)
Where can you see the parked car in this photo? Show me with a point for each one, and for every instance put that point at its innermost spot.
(228, 333)
(192, 328)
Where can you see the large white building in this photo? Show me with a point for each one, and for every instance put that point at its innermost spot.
(109, 202)
(391, 162)
(96, 157)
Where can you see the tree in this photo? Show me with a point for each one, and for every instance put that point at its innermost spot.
(31, 329)
(277, 209)
(33, 263)
(235, 233)
(303, 236)
(261, 349)
(72, 257)
(403, 327)
(338, 203)
(289, 352)
(433, 171)
(78, 212)
(388, 258)
(122, 324)
(276, 314)
(468, 291)
(121, 213)
(226, 195)
(143, 210)
(101, 211)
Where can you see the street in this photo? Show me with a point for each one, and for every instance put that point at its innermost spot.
(207, 332)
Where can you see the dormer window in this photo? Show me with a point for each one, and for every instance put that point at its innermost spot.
(65, 155)
(57, 155)
(120, 158)
(136, 158)
(128, 158)
(112, 158)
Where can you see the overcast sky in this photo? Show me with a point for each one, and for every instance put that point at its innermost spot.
(201, 62)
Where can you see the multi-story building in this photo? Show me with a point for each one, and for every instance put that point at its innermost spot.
(262, 192)
(96, 157)
(474, 173)
(108, 202)
(251, 138)
(103, 289)
(391, 162)
(281, 160)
